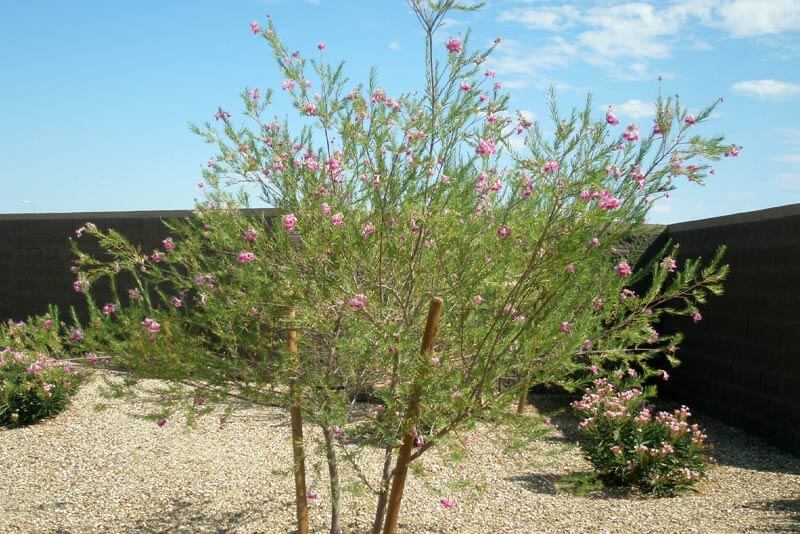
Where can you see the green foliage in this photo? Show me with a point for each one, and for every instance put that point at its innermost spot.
(628, 445)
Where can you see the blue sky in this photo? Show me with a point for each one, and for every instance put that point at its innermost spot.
(97, 94)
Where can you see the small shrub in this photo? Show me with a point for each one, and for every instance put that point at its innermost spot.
(628, 445)
(33, 385)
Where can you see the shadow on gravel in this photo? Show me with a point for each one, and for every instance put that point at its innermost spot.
(788, 510)
(552, 484)
(737, 448)
(191, 517)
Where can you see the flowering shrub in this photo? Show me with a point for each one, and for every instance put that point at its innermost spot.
(629, 445)
(385, 202)
(33, 384)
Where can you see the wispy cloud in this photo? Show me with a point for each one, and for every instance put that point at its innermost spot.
(625, 37)
(768, 89)
(636, 109)
(752, 18)
(394, 45)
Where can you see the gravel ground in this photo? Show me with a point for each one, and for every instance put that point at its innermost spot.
(110, 470)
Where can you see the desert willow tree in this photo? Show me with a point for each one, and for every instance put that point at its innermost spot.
(390, 207)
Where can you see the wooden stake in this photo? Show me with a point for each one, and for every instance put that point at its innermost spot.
(296, 414)
(412, 414)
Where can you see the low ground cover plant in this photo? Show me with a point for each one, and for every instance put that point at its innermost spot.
(629, 445)
(420, 256)
(36, 381)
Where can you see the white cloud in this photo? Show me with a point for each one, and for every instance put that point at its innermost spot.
(636, 109)
(625, 36)
(768, 89)
(394, 45)
(512, 58)
(751, 18)
(543, 18)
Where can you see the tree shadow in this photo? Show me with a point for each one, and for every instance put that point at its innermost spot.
(787, 514)
(570, 484)
(183, 514)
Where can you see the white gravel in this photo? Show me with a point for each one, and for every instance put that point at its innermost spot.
(109, 470)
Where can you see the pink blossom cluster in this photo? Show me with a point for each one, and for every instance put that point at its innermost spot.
(358, 301)
(486, 148)
(454, 46)
(151, 325)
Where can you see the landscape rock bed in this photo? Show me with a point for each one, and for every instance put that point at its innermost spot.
(111, 470)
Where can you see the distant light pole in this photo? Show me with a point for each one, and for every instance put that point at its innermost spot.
(32, 203)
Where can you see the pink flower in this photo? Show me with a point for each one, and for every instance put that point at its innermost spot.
(289, 222)
(287, 85)
(478, 300)
(337, 219)
(597, 304)
(157, 256)
(566, 327)
(326, 208)
(490, 74)
(448, 503)
(732, 152)
(571, 268)
(696, 317)
(486, 148)
(690, 119)
(550, 167)
(465, 87)
(665, 375)
(454, 46)
(176, 302)
(246, 257)
(669, 264)
(368, 229)
(498, 86)
(593, 369)
(168, 244)
(310, 109)
(593, 242)
(152, 326)
(77, 285)
(91, 358)
(321, 46)
(108, 309)
(251, 235)
(608, 201)
(358, 301)
(611, 118)
(624, 270)
(75, 334)
(255, 27)
(617, 450)
(135, 295)
(161, 423)
(627, 294)
(631, 134)
(504, 232)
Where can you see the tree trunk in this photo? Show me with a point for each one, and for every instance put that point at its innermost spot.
(383, 496)
(333, 472)
(296, 414)
(404, 454)
(523, 399)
